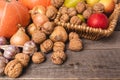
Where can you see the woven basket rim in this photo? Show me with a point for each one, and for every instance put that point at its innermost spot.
(113, 18)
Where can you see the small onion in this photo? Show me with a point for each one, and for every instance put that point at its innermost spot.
(31, 29)
(29, 48)
(38, 10)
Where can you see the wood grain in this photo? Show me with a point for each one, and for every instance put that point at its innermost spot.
(98, 60)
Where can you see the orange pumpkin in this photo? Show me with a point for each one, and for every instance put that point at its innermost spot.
(12, 13)
(31, 3)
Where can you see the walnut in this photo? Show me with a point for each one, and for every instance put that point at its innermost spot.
(38, 57)
(46, 46)
(98, 7)
(63, 10)
(64, 18)
(80, 7)
(38, 37)
(75, 20)
(51, 12)
(58, 57)
(57, 3)
(73, 35)
(59, 34)
(3, 63)
(75, 45)
(48, 27)
(87, 13)
(59, 46)
(13, 69)
(72, 12)
(22, 58)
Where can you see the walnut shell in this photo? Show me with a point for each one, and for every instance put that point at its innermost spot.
(64, 18)
(72, 12)
(58, 57)
(98, 7)
(46, 46)
(59, 46)
(59, 34)
(48, 27)
(73, 35)
(51, 12)
(22, 58)
(80, 7)
(38, 57)
(63, 10)
(13, 69)
(75, 45)
(75, 20)
(57, 3)
(87, 13)
(38, 37)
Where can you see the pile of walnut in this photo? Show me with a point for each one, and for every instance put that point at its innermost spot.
(77, 15)
(45, 37)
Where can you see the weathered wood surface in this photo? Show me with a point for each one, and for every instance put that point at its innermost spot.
(98, 60)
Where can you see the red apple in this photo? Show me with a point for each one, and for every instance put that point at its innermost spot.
(109, 5)
(98, 20)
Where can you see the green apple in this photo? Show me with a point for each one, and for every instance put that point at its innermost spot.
(81, 17)
(92, 2)
(71, 3)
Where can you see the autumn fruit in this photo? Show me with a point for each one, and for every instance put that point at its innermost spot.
(32, 3)
(71, 3)
(109, 5)
(98, 20)
(92, 2)
(81, 17)
(12, 13)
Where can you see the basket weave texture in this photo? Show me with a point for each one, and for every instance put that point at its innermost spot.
(89, 32)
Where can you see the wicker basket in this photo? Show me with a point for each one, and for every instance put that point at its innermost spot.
(89, 32)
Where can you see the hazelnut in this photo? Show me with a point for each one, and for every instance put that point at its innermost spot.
(38, 37)
(46, 46)
(75, 20)
(80, 7)
(22, 58)
(13, 69)
(59, 46)
(64, 18)
(38, 57)
(48, 27)
(72, 12)
(57, 3)
(51, 12)
(58, 57)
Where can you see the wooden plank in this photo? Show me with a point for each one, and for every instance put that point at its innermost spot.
(112, 42)
(84, 64)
